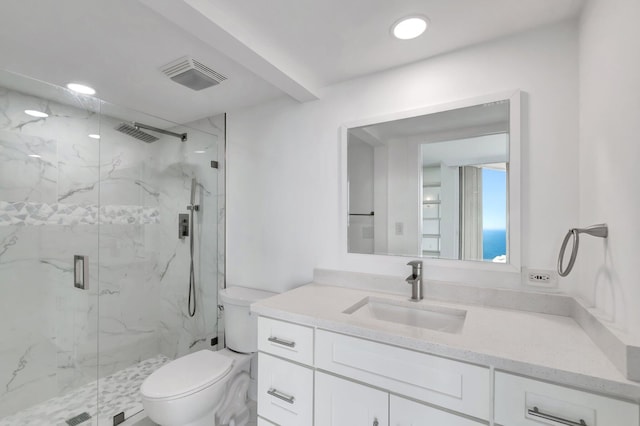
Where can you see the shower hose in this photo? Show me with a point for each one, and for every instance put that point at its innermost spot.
(600, 231)
(192, 275)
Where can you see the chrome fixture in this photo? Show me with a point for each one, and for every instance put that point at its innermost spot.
(192, 207)
(134, 132)
(183, 225)
(81, 271)
(415, 279)
(279, 341)
(600, 231)
(281, 395)
(535, 412)
(181, 136)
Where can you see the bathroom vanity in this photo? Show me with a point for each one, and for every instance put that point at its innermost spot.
(343, 356)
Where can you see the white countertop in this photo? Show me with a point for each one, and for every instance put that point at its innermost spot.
(543, 346)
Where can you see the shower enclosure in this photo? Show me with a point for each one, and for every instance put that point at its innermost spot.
(72, 184)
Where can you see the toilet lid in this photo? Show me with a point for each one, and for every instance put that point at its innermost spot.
(186, 375)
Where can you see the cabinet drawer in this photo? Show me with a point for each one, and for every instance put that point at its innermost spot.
(450, 384)
(409, 413)
(285, 391)
(520, 401)
(263, 422)
(340, 402)
(291, 341)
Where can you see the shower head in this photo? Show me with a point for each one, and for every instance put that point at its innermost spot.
(135, 132)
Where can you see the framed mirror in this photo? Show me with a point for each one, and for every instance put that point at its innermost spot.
(439, 182)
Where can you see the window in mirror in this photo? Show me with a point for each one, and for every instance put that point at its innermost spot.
(434, 185)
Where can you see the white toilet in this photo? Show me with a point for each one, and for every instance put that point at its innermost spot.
(209, 388)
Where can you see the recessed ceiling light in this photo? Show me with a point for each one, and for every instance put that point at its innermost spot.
(409, 27)
(35, 113)
(94, 136)
(34, 155)
(200, 151)
(81, 88)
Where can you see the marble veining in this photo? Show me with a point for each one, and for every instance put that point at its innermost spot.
(115, 200)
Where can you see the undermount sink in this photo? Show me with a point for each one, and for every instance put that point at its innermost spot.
(418, 314)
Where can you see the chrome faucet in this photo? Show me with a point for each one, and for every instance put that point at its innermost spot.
(415, 279)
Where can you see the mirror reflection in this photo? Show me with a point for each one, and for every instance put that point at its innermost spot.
(434, 185)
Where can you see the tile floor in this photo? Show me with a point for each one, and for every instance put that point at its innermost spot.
(118, 392)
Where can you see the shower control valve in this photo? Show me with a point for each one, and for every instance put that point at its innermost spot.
(183, 225)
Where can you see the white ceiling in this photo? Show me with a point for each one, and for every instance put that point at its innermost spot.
(118, 46)
(265, 48)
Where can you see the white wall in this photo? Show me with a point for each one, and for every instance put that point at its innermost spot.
(609, 155)
(283, 168)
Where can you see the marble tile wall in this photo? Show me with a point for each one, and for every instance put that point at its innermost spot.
(116, 201)
(174, 166)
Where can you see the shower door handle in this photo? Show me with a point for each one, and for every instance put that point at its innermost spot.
(81, 271)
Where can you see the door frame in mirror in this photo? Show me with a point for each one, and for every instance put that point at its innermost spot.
(514, 212)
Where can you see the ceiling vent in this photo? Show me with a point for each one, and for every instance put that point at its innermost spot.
(192, 73)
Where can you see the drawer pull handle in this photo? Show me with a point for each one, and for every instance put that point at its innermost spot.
(283, 396)
(282, 342)
(375, 422)
(537, 413)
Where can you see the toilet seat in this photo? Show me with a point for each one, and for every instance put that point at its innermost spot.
(186, 375)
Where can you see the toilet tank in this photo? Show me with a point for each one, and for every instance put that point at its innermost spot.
(240, 325)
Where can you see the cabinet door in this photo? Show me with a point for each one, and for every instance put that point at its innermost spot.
(285, 391)
(408, 413)
(520, 401)
(454, 385)
(339, 402)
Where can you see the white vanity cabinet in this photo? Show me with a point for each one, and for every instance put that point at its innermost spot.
(340, 402)
(285, 376)
(403, 412)
(454, 385)
(520, 401)
(309, 376)
(285, 391)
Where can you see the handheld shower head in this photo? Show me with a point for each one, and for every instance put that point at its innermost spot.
(193, 191)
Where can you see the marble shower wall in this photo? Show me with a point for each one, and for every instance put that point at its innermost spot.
(115, 200)
(48, 331)
(174, 165)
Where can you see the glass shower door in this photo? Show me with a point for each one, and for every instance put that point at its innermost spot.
(49, 213)
(82, 201)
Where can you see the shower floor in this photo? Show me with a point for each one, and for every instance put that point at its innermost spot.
(118, 392)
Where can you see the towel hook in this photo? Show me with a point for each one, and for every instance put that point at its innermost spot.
(600, 230)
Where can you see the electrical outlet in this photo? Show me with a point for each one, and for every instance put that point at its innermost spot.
(541, 278)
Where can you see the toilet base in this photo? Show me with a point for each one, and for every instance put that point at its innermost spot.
(208, 420)
(226, 399)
